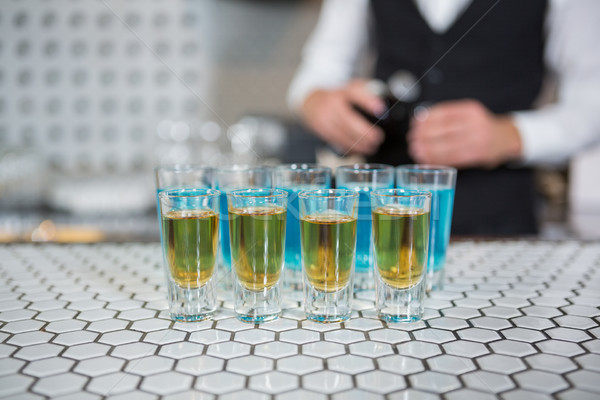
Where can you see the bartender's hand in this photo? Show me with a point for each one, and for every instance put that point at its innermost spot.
(330, 114)
(463, 133)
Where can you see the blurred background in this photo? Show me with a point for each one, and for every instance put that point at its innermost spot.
(95, 94)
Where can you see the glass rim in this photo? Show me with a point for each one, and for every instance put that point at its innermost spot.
(240, 168)
(366, 167)
(248, 193)
(304, 167)
(185, 167)
(324, 193)
(426, 168)
(396, 192)
(181, 193)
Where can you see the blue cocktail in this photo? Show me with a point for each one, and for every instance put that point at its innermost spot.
(364, 178)
(440, 181)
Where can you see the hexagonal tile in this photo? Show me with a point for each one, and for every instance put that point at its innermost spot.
(344, 336)
(512, 348)
(300, 364)
(149, 365)
(36, 352)
(136, 315)
(568, 334)
(523, 335)
(108, 325)
(465, 348)
(219, 383)
(123, 305)
(65, 326)
(511, 302)
(371, 349)
(593, 346)
(469, 394)
(276, 350)
(86, 305)
(27, 325)
(96, 315)
(150, 325)
(48, 366)
(350, 364)
(55, 315)
(181, 350)
(16, 315)
(13, 384)
(585, 380)
(400, 364)
(10, 366)
(541, 311)
(582, 311)
(461, 312)
(250, 365)
(451, 364)
(357, 394)
(537, 323)
(99, 366)
(273, 382)
(254, 336)
(120, 337)
(539, 381)
(244, 394)
(46, 305)
(320, 327)
(58, 385)
(434, 335)
(228, 350)
(280, 325)
(113, 384)
(491, 323)
(412, 394)
(418, 349)
(472, 303)
(560, 348)
(434, 382)
(478, 335)
(380, 382)
(210, 337)
(200, 365)
(176, 383)
(233, 325)
(75, 338)
(363, 324)
(501, 364)
(488, 381)
(448, 323)
(323, 349)
(391, 336)
(576, 394)
(327, 382)
(30, 338)
(551, 363)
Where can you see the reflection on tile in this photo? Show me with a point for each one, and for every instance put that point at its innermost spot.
(585, 380)
(273, 382)
(469, 394)
(501, 364)
(380, 382)
(244, 394)
(523, 335)
(250, 365)
(200, 365)
(589, 361)
(149, 365)
(418, 349)
(540, 381)
(491, 323)
(465, 348)
(276, 350)
(371, 349)
(434, 382)
(300, 394)
(219, 383)
(323, 349)
(391, 336)
(568, 334)
(47, 367)
(99, 366)
(14, 384)
(434, 335)
(300, 364)
(344, 336)
(451, 364)
(400, 364)
(512, 348)
(412, 394)
(537, 323)
(36, 352)
(134, 350)
(551, 363)
(210, 337)
(356, 394)
(228, 350)
(58, 385)
(488, 381)
(166, 383)
(181, 350)
(560, 348)
(350, 364)
(299, 336)
(327, 382)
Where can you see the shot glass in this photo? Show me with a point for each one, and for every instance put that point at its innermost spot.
(294, 178)
(257, 233)
(364, 178)
(328, 223)
(227, 179)
(189, 228)
(400, 240)
(441, 182)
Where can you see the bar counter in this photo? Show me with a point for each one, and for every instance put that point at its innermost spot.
(518, 319)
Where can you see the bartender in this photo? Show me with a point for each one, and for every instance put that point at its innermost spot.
(477, 71)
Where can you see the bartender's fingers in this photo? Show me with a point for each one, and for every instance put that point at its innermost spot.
(358, 94)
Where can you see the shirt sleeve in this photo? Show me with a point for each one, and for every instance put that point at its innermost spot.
(330, 56)
(553, 133)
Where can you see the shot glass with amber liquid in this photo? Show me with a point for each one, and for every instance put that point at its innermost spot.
(257, 219)
(328, 219)
(190, 238)
(400, 241)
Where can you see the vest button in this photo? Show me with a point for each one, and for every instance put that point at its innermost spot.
(435, 76)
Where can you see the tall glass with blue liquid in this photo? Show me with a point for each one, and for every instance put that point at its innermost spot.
(296, 178)
(364, 178)
(441, 182)
(226, 179)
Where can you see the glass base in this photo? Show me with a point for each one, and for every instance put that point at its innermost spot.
(364, 279)
(400, 305)
(327, 307)
(435, 280)
(259, 306)
(192, 304)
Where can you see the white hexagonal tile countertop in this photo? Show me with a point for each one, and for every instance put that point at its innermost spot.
(517, 319)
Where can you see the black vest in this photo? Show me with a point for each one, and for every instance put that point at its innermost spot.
(492, 53)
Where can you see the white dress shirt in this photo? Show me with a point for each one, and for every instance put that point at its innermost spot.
(550, 134)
